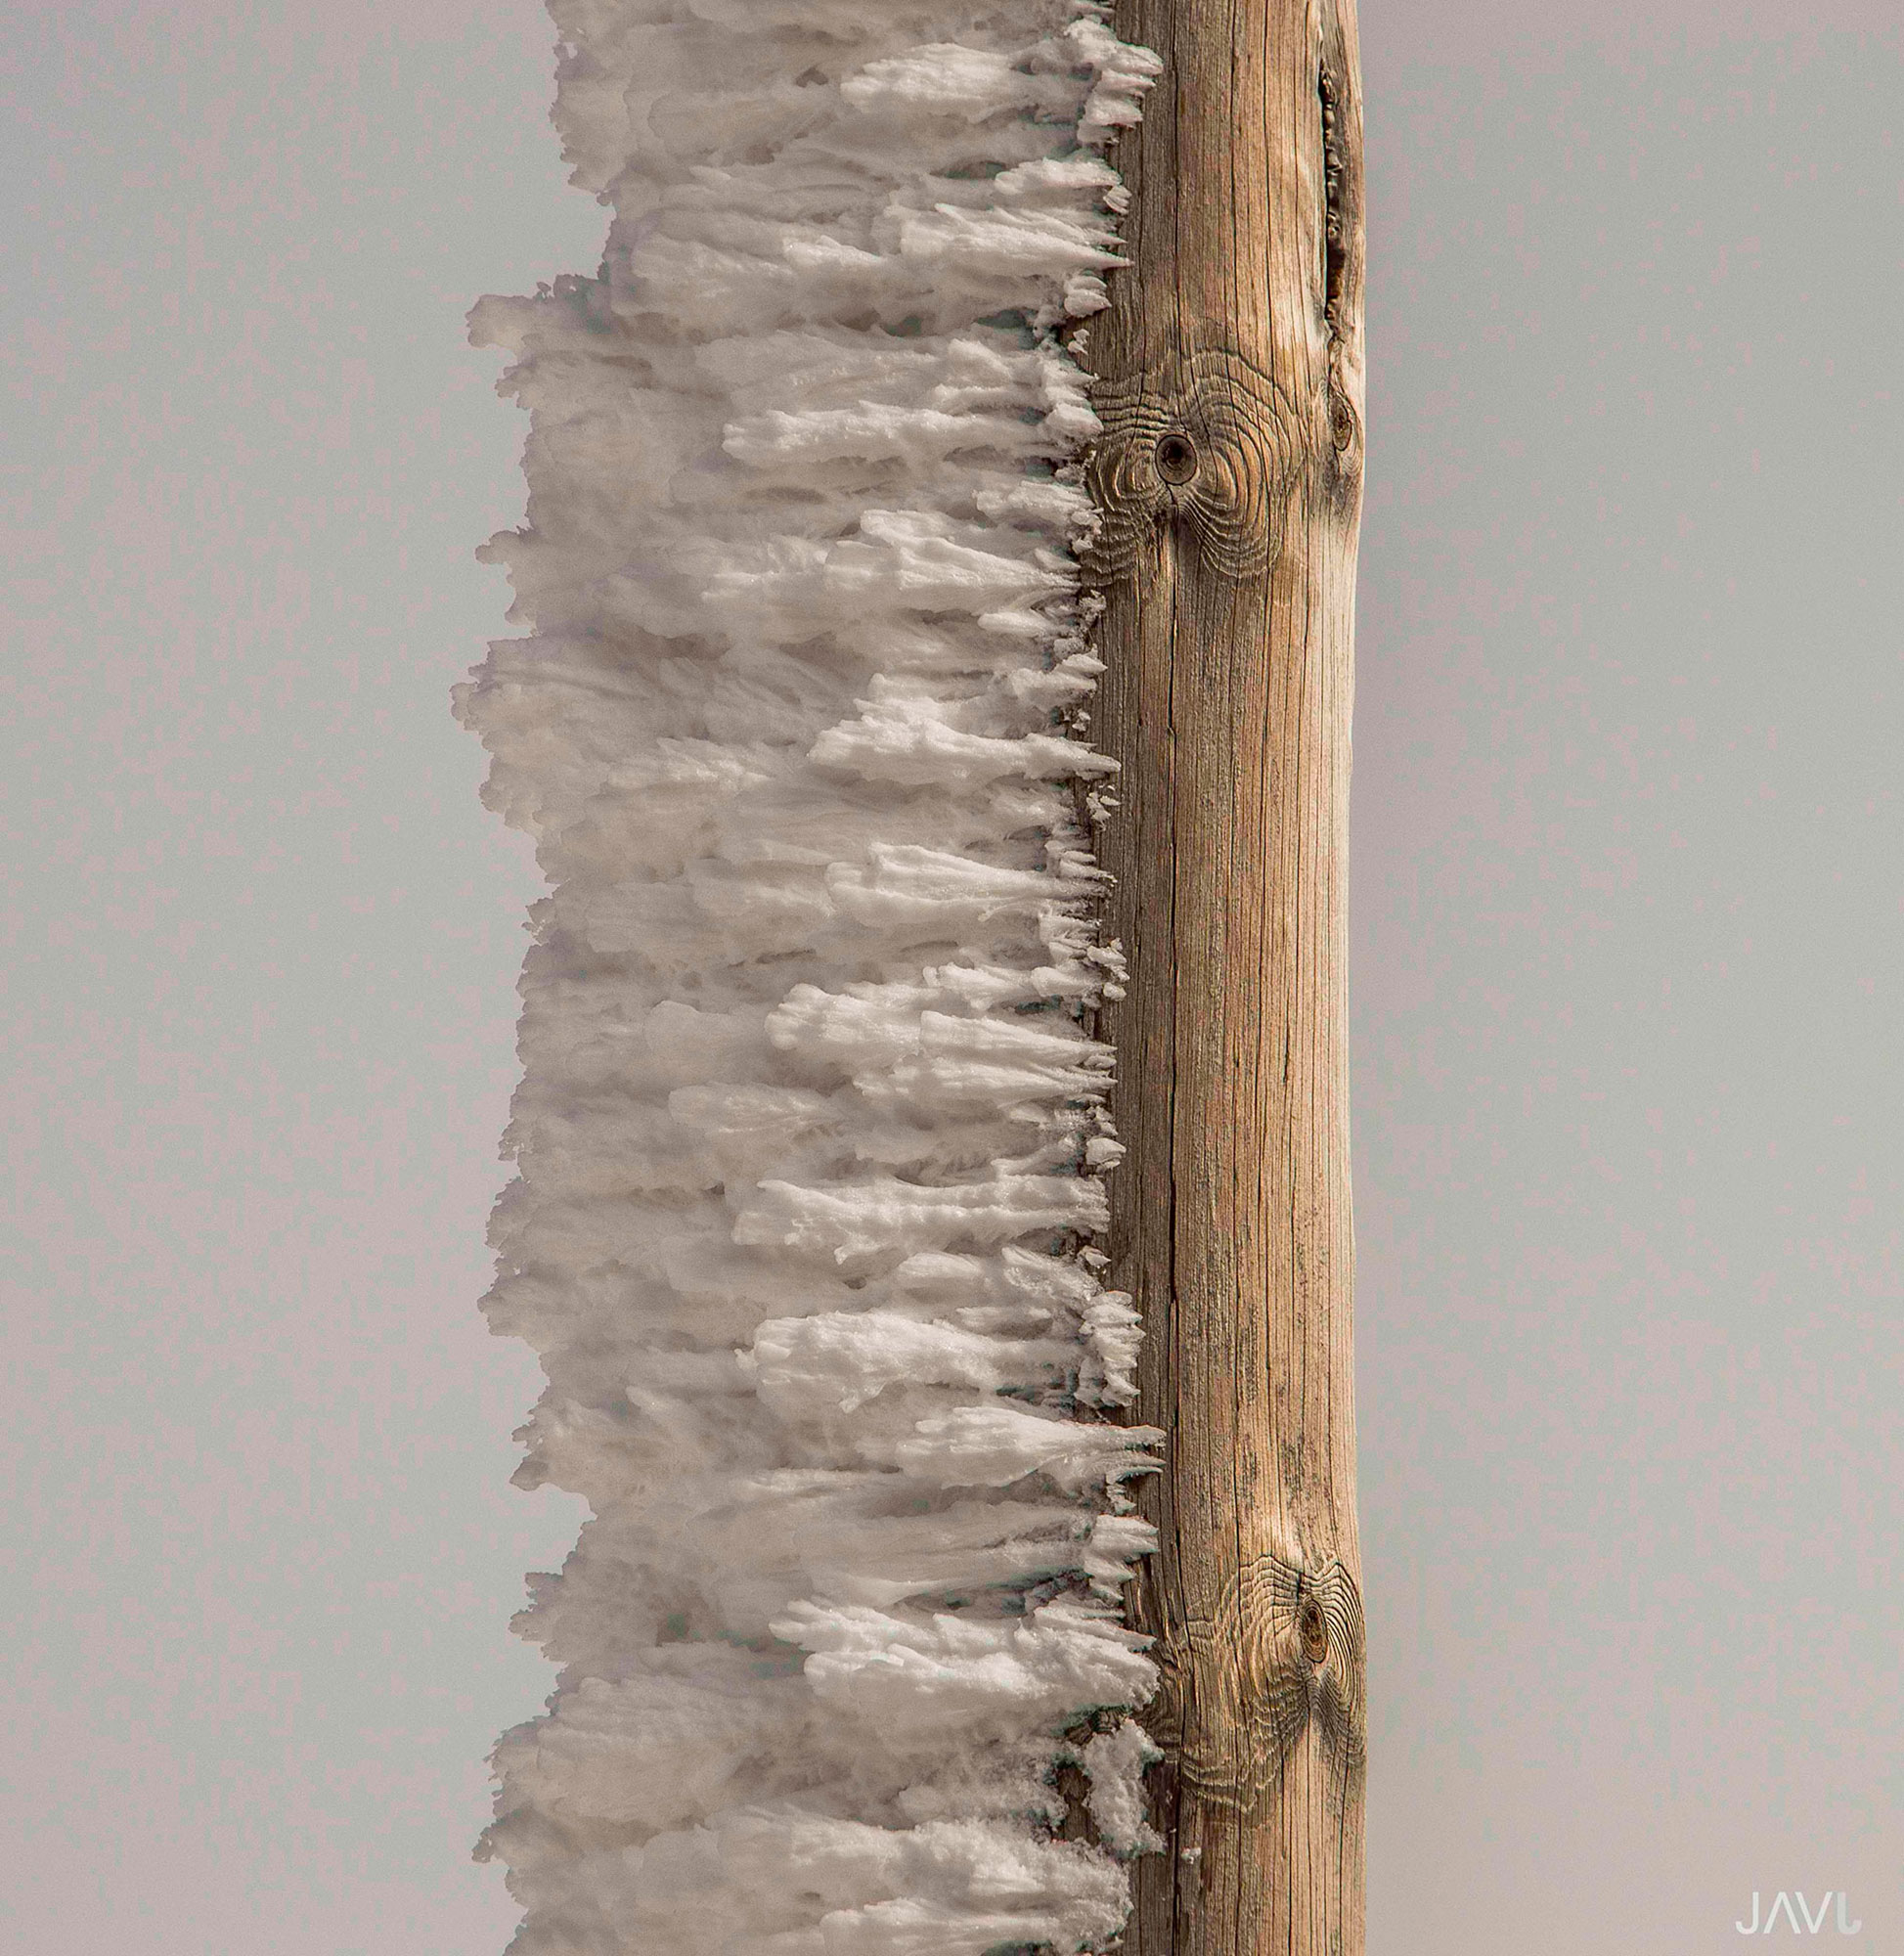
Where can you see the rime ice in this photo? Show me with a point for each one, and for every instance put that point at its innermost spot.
(812, 1119)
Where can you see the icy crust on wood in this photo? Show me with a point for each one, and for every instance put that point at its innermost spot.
(812, 1125)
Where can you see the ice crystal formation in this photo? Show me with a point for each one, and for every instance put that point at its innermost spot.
(810, 1132)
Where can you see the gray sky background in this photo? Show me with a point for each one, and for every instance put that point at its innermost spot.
(1626, 1014)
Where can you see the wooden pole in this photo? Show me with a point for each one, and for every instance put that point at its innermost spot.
(1229, 481)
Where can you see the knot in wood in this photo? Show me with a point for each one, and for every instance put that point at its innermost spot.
(1176, 457)
(1206, 447)
(1312, 1630)
(1281, 1658)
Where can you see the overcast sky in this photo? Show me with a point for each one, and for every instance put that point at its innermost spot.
(1626, 983)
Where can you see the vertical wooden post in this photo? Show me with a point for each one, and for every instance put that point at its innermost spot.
(1230, 480)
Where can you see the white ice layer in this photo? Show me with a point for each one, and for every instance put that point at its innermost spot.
(812, 1121)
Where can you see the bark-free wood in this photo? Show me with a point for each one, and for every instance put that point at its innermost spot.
(1229, 476)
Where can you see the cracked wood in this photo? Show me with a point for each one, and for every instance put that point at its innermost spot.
(1228, 479)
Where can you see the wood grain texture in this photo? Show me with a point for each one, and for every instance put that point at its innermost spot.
(1229, 481)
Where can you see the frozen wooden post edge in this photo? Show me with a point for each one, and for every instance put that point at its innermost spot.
(1228, 476)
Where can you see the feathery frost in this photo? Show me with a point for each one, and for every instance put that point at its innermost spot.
(812, 1121)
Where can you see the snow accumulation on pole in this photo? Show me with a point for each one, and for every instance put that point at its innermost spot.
(813, 1226)
(812, 1120)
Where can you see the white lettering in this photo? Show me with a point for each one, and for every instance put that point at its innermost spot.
(1781, 1901)
(1846, 1928)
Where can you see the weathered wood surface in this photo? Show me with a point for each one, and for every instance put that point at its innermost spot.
(1229, 476)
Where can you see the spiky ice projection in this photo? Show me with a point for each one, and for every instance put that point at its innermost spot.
(812, 1125)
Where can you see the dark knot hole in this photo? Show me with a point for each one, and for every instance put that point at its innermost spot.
(1176, 457)
(1314, 1631)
